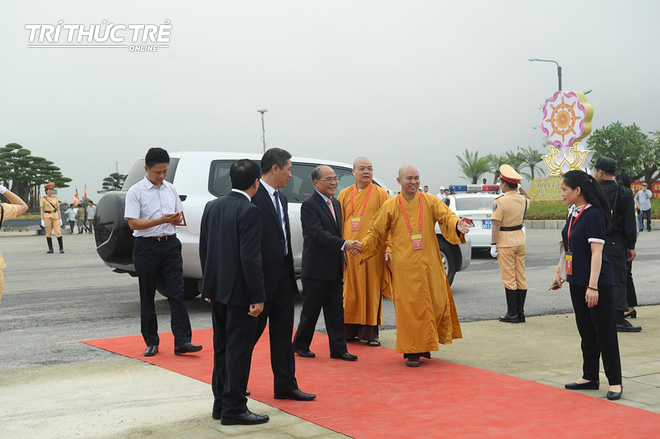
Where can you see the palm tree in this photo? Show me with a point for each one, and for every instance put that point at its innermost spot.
(495, 162)
(531, 158)
(472, 166)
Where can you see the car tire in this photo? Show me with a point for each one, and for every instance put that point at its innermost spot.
(448, 259)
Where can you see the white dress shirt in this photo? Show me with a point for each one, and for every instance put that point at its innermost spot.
(145, 201)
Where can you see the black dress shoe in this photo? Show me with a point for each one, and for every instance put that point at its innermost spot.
(296, 394)
(187, 348)
(345, 356)
(613, 396)
(306, 353)
(624, 325)
(150, 351)
(247, 418)
(591, 385)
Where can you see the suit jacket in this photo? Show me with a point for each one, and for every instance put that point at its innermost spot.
(272, 240)
(230, 251)
(322, 256)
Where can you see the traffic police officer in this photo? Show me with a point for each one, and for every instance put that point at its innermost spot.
(50, 217)
(508, 242)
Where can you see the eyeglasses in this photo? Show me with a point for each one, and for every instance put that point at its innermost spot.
(330, 179)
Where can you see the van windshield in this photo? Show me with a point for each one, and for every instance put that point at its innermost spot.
(299, 187)
(137, 173)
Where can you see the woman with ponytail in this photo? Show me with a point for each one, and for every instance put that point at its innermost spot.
(591, 279)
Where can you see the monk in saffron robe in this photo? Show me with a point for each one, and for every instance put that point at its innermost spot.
(363, 283)
(425, 311)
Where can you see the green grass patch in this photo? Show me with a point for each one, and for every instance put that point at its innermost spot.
(553, 210)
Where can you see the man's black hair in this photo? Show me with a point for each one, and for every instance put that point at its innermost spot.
(155, 156)
(243, 173)
(274, 156)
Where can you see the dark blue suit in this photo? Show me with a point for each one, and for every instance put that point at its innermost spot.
(230, 253)
(322, 274)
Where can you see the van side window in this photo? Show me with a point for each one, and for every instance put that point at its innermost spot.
(301, 186)
(219, 183)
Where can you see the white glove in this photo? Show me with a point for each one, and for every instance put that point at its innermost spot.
(2, 189)
(43, 224)
(61, 222)
(493, 250)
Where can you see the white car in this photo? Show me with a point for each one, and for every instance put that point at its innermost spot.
(479, 208)
(199, 177)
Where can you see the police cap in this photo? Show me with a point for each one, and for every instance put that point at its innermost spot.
(507, 173)
(50, 185)
(606, 164)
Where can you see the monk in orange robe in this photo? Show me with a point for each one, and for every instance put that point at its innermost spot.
(364, 284)
(425, 311)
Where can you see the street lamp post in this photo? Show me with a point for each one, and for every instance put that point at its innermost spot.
(263, 128)
(558, 67)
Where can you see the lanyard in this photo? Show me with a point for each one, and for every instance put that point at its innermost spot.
(406, 216)
(571, 224)
(371, 186)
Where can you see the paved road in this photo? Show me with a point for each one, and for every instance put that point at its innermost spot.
(54, 299)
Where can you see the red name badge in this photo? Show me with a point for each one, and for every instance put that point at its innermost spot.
(355, 224)
(569, 263)
(417, 242)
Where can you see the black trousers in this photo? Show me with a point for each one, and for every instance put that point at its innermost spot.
(630, 288)
(233, 334)
(278, 310)
(617, 255)
(160, 264)
(327, 295)
(597, 328)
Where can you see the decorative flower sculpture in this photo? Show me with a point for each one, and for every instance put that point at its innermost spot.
(566, 121)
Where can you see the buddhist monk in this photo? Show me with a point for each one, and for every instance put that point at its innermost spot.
(425, 310)
(363, 283)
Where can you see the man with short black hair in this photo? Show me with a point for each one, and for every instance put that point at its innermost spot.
(153, 210)
(620, 240)
(230, 255)
(279, 277)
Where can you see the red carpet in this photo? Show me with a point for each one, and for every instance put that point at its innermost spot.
(378, 396)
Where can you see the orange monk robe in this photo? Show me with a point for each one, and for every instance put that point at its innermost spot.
(425, 310)
(363, 283)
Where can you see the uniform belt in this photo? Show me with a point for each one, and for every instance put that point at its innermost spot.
(159, 238)
(47, 211)
(511, 228)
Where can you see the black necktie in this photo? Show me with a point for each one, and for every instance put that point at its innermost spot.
(279, 217)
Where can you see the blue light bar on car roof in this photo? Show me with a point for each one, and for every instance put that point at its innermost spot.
(474, 188)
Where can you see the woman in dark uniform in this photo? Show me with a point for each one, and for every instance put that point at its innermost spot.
(591, 280)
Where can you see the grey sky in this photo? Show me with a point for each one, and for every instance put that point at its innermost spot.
(396, 81)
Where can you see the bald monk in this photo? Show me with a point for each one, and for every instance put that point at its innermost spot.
(363, 283)
(425, 310)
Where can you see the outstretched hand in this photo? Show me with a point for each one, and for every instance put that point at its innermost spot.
(354, 247)
(464, 225)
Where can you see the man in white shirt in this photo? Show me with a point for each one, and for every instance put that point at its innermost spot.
(442, 194)
(153, 210)
(70, 216)
(643, 203)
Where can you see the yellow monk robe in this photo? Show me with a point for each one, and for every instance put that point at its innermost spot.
(363, 283)
(425, 310)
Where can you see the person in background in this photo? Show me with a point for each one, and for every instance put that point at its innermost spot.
(591, 281)
(70, 216)
(50, 217)
(91, 213)
(80, 218)
(621, 236)
(631, 293)
(643, 203)
(441, 193)
(15, 207)
(426, 189)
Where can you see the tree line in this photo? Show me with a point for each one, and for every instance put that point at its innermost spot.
(24, 174)
(474, 167)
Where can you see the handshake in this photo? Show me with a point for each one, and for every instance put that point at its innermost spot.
(354, 247)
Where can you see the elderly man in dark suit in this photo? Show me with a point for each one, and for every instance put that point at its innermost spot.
(230, 253)
(279, 277)
(323, 266)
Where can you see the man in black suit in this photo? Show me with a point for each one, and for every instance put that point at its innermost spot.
(279, 277)
(323, 266)
(230, 253)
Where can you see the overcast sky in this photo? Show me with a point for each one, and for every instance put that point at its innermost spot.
(397, 81)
